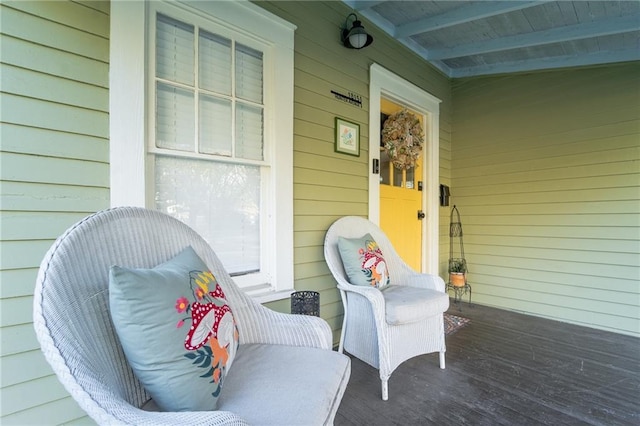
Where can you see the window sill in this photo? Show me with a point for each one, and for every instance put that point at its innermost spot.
(264, 294)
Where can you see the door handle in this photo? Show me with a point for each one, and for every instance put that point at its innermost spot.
(421, 215)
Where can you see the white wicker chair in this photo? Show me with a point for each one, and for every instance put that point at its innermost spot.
(74, 328)
(366, 334)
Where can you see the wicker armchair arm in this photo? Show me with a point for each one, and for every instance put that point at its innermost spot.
(262, 325)
(259, 324)
(126, 414)
(432, 282)
(371, 293)
(374, 296)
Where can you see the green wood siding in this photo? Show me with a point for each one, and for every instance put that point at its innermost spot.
(54, 170)
(546, 174)
(328, 185)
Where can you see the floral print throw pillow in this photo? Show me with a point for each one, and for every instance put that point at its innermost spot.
(177, 330)
(363, 261)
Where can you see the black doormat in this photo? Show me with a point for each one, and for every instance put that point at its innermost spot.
(453, 323)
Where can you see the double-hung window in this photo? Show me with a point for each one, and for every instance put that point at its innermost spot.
(218, 132)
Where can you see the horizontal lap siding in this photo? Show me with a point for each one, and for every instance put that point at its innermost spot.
(445, 179)
(54, 171)
(328, 185)
(547, 180)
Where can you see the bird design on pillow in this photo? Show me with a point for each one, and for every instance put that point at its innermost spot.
(373, 264)
(212, 339)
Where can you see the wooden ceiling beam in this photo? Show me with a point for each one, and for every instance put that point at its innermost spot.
(548, 63)
(461, 15)
(363, 5)
(618, 25)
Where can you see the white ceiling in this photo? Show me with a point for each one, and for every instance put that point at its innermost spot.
(470, 38)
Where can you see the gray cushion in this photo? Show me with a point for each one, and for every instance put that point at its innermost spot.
(284, 385)
(406, 304)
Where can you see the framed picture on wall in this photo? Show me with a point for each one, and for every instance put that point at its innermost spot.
(347, 137)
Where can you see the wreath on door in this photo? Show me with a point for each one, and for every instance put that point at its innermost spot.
(403, 138)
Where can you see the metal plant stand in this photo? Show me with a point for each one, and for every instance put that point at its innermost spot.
(457, 261)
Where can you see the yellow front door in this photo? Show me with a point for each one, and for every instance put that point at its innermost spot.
(400, 203)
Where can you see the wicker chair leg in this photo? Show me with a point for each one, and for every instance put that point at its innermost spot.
(442, 360)
(343, 294)
(385, 389)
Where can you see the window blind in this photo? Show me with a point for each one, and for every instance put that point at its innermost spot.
(175, 55)
(248, 73)
(174, 117)
(215, 129)
(214, 63)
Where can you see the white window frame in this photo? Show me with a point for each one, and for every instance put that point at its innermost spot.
(131, 177)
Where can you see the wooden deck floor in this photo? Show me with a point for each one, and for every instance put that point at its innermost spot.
(506, 368)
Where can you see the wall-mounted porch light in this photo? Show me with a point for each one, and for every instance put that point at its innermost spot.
(444, 195)
(355, 37)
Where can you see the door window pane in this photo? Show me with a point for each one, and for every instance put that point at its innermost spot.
(385, 168)
(397, 177)
(410, 177)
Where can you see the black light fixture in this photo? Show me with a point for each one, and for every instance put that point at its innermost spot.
(355, 37)
(444, 195)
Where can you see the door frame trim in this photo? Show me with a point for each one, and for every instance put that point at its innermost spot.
(384, 83)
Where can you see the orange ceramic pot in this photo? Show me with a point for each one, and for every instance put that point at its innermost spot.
(457, 279)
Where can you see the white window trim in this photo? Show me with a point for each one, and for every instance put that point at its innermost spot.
(128, 117)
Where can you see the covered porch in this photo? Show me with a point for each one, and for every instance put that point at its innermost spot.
(544, 166)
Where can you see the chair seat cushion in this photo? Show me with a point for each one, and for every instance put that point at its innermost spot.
(264, 385)
(406, 304)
